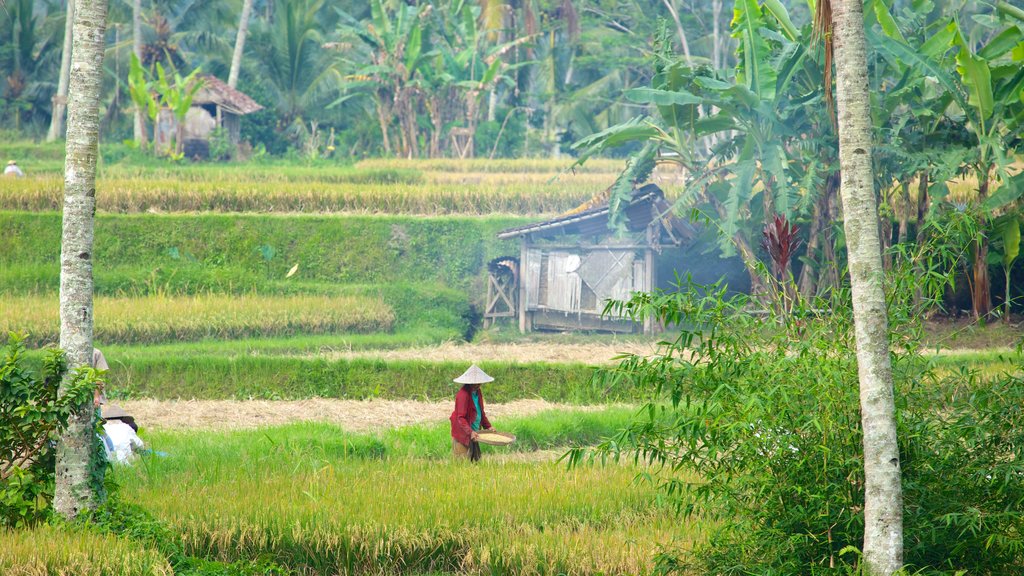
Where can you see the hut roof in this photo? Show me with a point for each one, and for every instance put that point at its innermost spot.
(648, 204)
(216, 92)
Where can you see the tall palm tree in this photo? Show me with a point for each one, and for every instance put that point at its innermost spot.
(883, 496)
(138, 118)
(78, 481)
(293, 65)
(32, 32)
(60, 99)
(243, 29)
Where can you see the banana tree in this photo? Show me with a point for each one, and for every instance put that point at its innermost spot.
(176, 94)
(469, 64)
(170, 94)
(1007, 243)
(986, 97)
(386, 63)
(766, 123)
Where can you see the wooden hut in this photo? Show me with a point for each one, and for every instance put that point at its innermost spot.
(570, 266)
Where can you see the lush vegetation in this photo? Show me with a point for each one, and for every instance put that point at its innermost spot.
(365, 78)
(766, 414)
(33, 416)
(758, 142)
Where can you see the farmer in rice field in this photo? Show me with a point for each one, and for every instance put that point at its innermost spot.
(469, 416)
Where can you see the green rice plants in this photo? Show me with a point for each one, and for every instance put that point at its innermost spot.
(313, 498)
(219, 252)
(161, 375)
(47, 550)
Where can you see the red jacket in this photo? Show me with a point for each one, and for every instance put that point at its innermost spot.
(464, 415)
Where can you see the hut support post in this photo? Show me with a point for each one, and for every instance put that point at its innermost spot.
(649, 273)
(522, 286)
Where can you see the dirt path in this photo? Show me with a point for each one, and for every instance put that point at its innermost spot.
(588, 353)
(352, 415)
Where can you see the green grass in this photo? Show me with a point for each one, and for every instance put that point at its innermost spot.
(313, 498)
(417, 336)
(161, 376)
(49, 551)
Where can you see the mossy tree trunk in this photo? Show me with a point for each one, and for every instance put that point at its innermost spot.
(76, 488)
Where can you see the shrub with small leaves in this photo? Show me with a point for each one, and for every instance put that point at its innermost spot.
(32, 416)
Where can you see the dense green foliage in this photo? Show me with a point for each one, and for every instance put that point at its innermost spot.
(766, 413)
(321, 70)
(32, 417)
(759, 141)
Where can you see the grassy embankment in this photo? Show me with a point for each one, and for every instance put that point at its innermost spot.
(426, 270)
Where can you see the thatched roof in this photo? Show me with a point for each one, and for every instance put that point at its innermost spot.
(647, 205)
(216, 92)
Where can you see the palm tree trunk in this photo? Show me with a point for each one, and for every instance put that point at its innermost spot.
(384, 119)
(904, 214)
(670, 5)
(809, 273)
(77, 485)
(981, 290)
(883, 498)
(60, 99)
(139, 125)
(236, 58)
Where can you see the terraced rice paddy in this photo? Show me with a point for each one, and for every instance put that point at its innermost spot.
(160, 318)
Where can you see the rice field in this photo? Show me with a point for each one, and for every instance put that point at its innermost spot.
(49, 551)
(305, 498)
(484, 165)
(162, 318)
(453, 196)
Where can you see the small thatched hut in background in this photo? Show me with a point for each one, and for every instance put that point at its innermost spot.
(215, 105)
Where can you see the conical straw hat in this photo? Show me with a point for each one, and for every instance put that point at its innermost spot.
(473, 376)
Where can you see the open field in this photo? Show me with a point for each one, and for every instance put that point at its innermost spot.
(151, 319)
